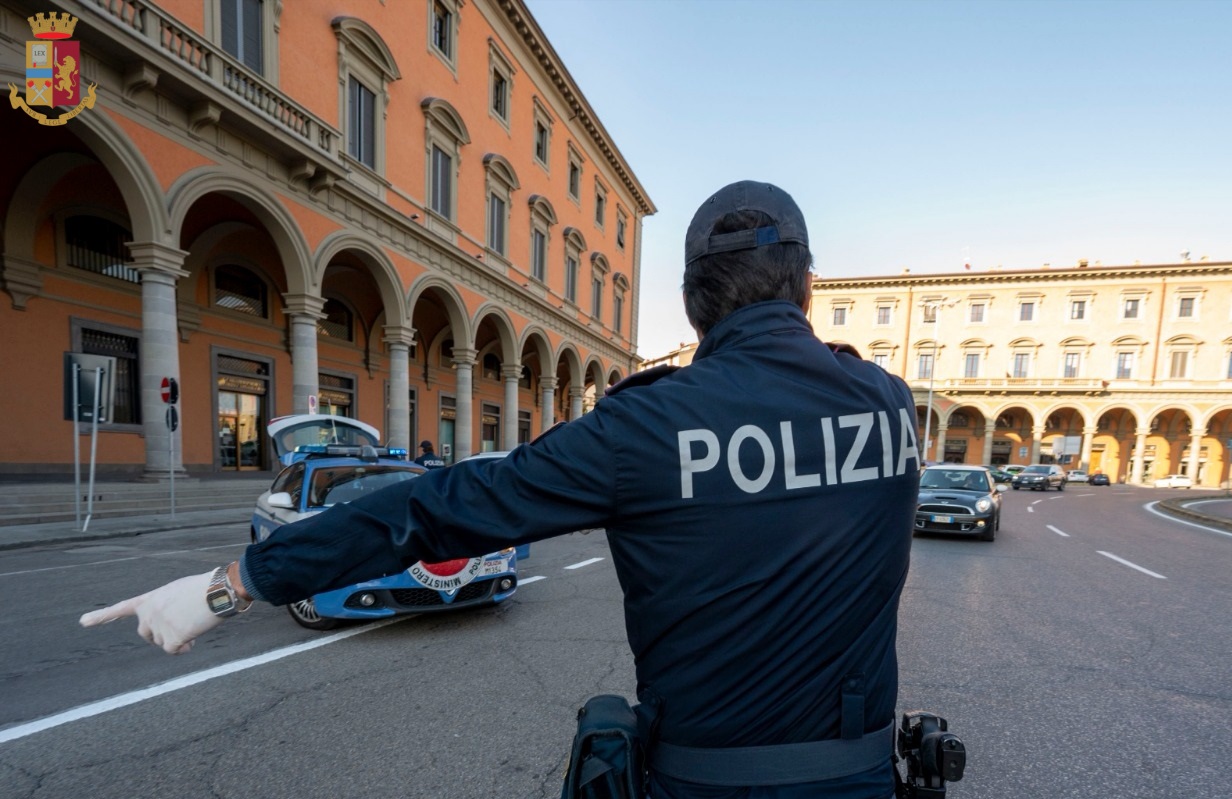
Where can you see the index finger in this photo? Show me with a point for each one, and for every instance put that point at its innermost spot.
(117, 611)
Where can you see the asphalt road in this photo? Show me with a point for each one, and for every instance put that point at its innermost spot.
(1086, 652)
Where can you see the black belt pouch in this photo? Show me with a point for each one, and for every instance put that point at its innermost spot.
(607, 760)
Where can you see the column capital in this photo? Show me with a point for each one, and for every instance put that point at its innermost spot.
(576, 392)
(511, 371)
(1142, 432)
(153, 257)
(1090, 430)
(400, 334)
(464, 357)
(548, 383)
(305, 305)
(1197, 432)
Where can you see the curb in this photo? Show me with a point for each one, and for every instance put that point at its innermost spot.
(1177, 507)
(27, 537)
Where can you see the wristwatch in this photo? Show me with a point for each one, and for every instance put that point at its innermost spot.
(221, 597)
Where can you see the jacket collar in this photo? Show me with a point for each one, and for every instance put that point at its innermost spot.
(753, 320)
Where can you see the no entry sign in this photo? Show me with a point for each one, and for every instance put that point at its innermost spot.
(170, 391)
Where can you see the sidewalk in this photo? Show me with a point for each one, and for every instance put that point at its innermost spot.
(19, 536)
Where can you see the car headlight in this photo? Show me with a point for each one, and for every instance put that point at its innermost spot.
(983, 504)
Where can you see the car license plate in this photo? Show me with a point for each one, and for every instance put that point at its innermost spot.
(495, 566)
(943, 519)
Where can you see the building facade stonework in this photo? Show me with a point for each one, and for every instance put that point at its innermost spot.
(1121, 370)
(402, 212)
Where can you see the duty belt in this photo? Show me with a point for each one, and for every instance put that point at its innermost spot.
(780, 764)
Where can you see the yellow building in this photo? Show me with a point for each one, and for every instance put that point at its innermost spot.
(1125, 370)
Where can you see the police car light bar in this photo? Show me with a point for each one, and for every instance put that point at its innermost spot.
(350, 451)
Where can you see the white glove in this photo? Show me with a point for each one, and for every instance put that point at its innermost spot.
(171, 617)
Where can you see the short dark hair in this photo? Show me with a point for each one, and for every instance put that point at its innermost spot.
(717, 284)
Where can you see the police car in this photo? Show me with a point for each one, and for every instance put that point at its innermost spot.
(330, 460)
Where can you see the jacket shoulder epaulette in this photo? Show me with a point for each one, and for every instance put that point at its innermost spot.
(643, 378)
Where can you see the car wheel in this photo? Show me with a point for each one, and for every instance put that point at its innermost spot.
(305, 614)
(1016, 487)
(990, 532)
(1061, 486)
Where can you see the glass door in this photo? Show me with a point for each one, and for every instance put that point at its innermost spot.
(240, 431)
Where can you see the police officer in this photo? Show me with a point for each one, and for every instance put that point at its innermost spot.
(429, 459)
(758, 504)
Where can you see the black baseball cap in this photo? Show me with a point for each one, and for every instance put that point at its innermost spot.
(425, 444)
(747, 195)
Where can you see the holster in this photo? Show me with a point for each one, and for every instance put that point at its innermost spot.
(607, 760)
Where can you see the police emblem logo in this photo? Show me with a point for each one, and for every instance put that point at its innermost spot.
(53, 70)
(449, 575)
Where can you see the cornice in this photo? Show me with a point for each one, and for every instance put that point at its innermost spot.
(1067, 275)
(536, 41)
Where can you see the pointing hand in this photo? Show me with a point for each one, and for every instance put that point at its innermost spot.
(171, 617)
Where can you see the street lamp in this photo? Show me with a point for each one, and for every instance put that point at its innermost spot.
(936, 305)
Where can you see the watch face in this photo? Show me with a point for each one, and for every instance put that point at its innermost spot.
(218, 602)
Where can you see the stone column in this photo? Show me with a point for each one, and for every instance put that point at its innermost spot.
(1139, 454)
(399, 338)
(990, 428)
(1037, 438)
(463, 429)
(160, 266)
(1088, 438)
(548, 386)
(1195, 453)
(939, 447)
(511, 373)
(305, 311)
(576, 395)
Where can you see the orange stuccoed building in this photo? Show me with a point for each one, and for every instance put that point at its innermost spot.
(402, 212)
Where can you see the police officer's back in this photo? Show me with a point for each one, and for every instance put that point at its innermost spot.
(429, 459)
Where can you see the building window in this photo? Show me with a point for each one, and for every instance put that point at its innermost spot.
(126, 407)
(338, 322)
(1228, 372)
(977, 312)
(240, 290)
(489, 427)
(1026, 311)
(541, 143)
(571, 276)
(575, 244)
(621, 224)
(444, 24)
(575, 175)
(539, 255)
(500, 95)
(883, 314)
(99, 246)
(971, 365)
(1179, 367)
(618, 310)
(600, 204)
(840, 317)
(243, 31)
(930, 314)
(501, 183)
(491, 367)
(1078, 309)
(442, 183)
(1022, 364)
(1185, 308)
(924, 366)
(501, 80)
(1073, 363)
(365, 69)
(1125, 366)
(1131, 309)
(881, 359)
(596, 297)
(361, 123)
(336, 394)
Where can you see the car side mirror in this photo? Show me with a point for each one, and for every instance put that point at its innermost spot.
(1002, 488)
(281, 500)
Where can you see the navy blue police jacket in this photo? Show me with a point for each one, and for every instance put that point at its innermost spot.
(758, 505)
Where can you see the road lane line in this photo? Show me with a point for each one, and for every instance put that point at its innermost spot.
(1030, 509)
(1036, 502)
(1131, 565)
(529, 580)
(584, 563)
(118, 560)
(1058, 532)
(1150, 507)
(179, 683)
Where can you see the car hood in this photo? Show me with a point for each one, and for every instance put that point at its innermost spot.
(941, 494)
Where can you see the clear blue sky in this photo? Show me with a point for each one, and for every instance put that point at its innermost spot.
(916, 133)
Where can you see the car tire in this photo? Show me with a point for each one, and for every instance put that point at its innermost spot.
(1016, 487)
(305, 614)
(990, 532)
(1061, 486)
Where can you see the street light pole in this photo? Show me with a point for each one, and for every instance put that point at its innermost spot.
(936, 305)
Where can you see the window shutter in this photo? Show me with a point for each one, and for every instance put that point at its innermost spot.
(230, 27)
(252, 30)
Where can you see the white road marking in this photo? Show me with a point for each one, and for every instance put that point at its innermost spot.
(584, 563)
(188, 680)
(1150, 506)
(1058, 532)
(1036, 502)
(1030, 509)
(1131, 565)
(534, 579)
(119, 560)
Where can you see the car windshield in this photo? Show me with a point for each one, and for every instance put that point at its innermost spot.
(1035, 470)
(333, 484)
(954, 479)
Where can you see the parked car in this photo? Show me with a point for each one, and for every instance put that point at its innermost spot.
(320, 475)
(1013, 468)
(1040, 477)
(1000, 475)
(1174, 481)
(956, 498)
(1076, 476)
(1100, 479)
